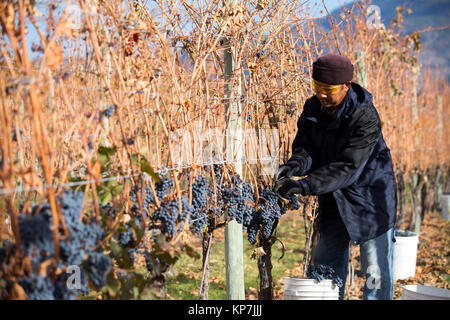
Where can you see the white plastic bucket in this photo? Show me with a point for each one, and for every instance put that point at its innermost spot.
(418, 292)
(309, 289)
(445, 205)
(405, 254)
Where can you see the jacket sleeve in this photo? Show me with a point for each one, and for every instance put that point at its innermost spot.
(302, 150)
(351, 160)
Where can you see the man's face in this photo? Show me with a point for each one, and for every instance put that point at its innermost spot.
(330, 96)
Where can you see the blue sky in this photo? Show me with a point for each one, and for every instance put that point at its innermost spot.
(316, 6)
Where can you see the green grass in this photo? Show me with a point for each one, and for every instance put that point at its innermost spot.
(186, 284)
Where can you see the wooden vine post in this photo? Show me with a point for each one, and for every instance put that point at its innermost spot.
(416, 186)
(234, 259)
(439, 169)
(361, 68)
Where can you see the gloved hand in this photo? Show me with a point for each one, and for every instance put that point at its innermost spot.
(286, 187)
(288, 170)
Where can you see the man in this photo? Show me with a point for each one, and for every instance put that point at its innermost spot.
(340, 149)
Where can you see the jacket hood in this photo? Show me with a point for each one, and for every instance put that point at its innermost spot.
(357, 96)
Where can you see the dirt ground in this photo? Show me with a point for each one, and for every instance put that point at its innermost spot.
(432, 267)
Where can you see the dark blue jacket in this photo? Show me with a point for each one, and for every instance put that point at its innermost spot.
(348, 164)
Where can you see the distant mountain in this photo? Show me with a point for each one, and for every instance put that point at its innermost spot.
(425, 13)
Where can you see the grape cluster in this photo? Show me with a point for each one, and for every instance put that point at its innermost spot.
(38, 288)
(323, 272)
(147, 202)
(236, 197)
(265, 218)
(169, 214)
(37, 245)
(270, 211)
(131, 255)
(125, 237)
(238, 200)
(163, 187)
(148, 261)
(200, 191)
(200, 188)
(98, 265)
(108, 210)
(293, 202)
(248, 204)
(233, 195)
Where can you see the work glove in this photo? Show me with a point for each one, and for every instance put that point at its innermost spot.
(287, 187)
(288, 170)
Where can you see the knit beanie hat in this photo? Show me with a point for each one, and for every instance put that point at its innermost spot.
(332, 69)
